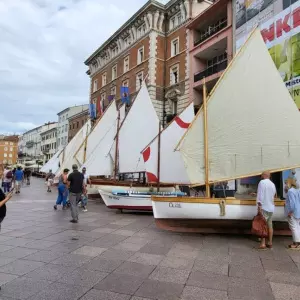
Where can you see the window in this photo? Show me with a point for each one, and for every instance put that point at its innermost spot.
(140, 57)
(66, 127)
(5, 148)
(178, 18)
(5, 154)
(11, 149)
(126, 64)
(175, 47)
(70, 127)
(114, 72)
(103, 96)
(126, 42)
(139, 80)
(175, 21)
(174, 107)
(11, 144)
(58, 142)
(104, 79)
(77, 124)
(6, 143)
(10, 161)
(54, 145)
(4, 161)
(125, 83)
(10, 155)
(174, 74)
(113, 90)
(82, 122)
(172, 23)
(63, 118)
(95, 86)
(73, 125)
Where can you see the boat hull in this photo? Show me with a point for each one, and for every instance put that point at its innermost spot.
(126, 202)
(211, 215)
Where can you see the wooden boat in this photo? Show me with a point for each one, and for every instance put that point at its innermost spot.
(131, 200)
(247, 126)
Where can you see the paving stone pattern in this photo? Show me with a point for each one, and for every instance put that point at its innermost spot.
(110, 256)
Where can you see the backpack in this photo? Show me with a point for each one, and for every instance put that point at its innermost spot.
(9, 175)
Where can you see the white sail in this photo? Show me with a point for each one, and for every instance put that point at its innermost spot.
(172, 169)
(52, 163)
(99, 143)
(67, 156)
(252, 121)
(140, 126)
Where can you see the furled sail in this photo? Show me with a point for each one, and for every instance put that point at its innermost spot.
(99, 143)
(52, 163)
(172, 168)
(140, 126)
(67, 156)
(252, 121)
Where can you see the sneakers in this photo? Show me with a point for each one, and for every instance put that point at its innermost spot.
(55, 207)
(73, 221)
(84, 209)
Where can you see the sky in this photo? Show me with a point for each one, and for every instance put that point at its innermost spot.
(43, 46)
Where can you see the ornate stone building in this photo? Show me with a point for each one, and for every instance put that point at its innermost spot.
(152, 44)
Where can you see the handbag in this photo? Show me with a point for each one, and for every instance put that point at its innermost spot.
(259, 226)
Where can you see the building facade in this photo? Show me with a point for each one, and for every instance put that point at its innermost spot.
(48, 142)
(210, 47)
(76, 122)
(151, 45)
(8, 150)
(63, 123)
(30, 143)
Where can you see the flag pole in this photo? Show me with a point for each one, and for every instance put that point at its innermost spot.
(117, 146)
(158, 156)
(206, 161)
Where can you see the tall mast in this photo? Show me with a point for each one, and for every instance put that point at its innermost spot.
(207, 189)
(85, 143)
(117, 146)
(158, 157)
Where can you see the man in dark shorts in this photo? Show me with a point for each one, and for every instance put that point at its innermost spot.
(75, 183)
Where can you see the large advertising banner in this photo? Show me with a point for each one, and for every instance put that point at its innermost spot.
(279, 22)
(281, 33)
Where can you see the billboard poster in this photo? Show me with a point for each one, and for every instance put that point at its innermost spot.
(279, 22)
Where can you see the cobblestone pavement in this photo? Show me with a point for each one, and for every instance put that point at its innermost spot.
(109, 256)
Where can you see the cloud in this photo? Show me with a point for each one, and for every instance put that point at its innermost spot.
(42, 49)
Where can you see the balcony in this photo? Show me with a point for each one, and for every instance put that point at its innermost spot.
(216, 68)
(210, 31)
(29, 144)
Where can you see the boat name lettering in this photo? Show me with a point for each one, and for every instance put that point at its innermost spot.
(113, 197)
(174, 205)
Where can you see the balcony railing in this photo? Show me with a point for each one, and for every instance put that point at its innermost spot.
(216, 68)
(210, 32)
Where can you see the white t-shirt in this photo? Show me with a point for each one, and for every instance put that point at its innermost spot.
(86, 177)
(5, 179)
(265, 195)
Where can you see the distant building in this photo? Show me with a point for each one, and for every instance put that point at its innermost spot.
(152, 44)
(8, 149)
(210, 47)
(30, 143)
(76, 122)
(48, 142)
(63, 123)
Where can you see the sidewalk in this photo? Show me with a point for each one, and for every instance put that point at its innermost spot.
(109, 256)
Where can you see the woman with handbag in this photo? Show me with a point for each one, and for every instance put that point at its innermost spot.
(292, 212)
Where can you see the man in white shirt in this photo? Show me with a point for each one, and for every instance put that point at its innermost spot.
(86, 181)
(265, 200)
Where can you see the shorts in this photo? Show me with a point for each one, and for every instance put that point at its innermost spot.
(269, 218)
(18, 182)
(49, 182)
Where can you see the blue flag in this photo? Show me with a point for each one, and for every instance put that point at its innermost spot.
(92, 109)
(125, 94)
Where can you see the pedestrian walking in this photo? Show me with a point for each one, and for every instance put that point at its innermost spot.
(84, 197)
(292, 212)
(265, 200)
(27, 173)
(49, 180)
(75, 183)
(19, 178)
(7, 179)
(62, 190)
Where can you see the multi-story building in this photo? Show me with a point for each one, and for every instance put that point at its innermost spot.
(8, 149)
(76, 122)
(210, 47)
(30, 143)
(63, 123)
(48, 141)
(151, 45)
